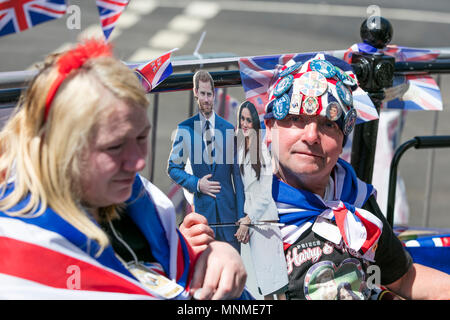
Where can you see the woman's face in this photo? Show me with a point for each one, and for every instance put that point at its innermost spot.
(116, 153)
(246, 122)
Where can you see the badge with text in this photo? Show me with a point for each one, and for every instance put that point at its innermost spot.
(291, 69)
(324, 67)
(154, 281)
(281, 107)
(296, 101)
(283, 86)
(344, 93)
(349, 121)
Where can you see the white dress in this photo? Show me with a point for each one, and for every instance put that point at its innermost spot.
(266, 247)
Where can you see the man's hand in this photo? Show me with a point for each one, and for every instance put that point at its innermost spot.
(219, 273)
(209, 187)
(196, 231)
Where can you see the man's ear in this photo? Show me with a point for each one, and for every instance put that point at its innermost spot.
(269, 124)
(195, 90)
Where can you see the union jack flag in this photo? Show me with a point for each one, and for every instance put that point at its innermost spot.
(110, 11)
(410, 91)
(20, 15)
(154, 72)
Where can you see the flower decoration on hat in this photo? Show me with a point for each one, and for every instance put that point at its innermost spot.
(318, 86)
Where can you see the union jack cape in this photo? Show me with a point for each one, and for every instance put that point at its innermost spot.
(20, 15)
(40, 254)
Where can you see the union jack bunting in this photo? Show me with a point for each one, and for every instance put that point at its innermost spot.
(259, 75)
(154, 72)
(110, 11)
(20, 15)
(411, 91)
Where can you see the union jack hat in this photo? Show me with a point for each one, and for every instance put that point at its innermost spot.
(323, 85)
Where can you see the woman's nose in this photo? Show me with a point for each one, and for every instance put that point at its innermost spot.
(135, 158)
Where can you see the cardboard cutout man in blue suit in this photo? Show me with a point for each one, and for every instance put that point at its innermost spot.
(215, 180)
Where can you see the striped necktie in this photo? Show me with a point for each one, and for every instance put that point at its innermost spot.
(208, 137)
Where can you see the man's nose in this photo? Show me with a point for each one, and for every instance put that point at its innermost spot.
(311, 133)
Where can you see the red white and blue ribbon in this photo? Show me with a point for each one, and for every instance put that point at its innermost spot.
(41, 255)
(299, 209)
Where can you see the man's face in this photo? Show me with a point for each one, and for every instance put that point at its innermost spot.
(306, 148)
(205, 98)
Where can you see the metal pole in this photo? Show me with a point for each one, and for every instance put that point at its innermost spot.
(430, 169)
(154, 132)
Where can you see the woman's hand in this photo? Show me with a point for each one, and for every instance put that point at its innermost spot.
(219, 273)
(242, 233)
(196, 231)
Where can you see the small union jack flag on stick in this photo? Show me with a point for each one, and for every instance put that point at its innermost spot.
(154, 72)
(110, 11)
(20, 15)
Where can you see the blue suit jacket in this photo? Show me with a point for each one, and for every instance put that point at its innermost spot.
(228, 206)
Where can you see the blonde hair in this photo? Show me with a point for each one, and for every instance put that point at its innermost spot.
(43, 157)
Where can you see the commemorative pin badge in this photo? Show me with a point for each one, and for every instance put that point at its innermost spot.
(334, 111)
(313, 84)
(156, 282)
(291, 69)
(349, 121)
(281, 107)
(296, 101)
(283, 85)
(344, 93)
(310, 105)
(344, 77)
(324, 67)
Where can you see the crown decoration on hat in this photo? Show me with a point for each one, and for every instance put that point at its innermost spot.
(314, 87)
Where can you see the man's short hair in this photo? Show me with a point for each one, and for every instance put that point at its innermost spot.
(204, 76)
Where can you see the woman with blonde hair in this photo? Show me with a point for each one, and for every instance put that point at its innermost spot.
(266, 247)
(75, 213)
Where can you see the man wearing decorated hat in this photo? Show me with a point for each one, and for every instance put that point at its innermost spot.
(331, 217)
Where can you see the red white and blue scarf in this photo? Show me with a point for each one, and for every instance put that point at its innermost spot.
(299, 210)
(40, 256)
